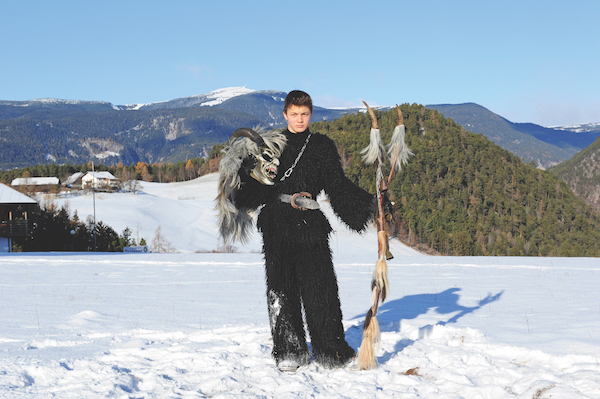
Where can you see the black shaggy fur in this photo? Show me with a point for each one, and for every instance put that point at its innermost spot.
(299, 267)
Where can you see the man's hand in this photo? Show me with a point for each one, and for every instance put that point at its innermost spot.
(388, 206)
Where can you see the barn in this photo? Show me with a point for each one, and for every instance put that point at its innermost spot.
(14, 210)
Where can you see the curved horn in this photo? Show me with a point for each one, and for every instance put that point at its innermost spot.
(374, 123)
(400, 117)
(247, 132)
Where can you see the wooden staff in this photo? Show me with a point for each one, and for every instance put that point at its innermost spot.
(375, 154)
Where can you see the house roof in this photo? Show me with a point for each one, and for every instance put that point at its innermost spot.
(11, 196)
(101, 175)
(34, 181)
(74, 177)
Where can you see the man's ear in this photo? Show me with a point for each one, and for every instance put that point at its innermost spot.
(285, 115)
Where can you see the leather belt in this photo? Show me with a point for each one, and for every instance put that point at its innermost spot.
(302, 201)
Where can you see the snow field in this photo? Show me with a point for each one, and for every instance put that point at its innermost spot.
(194, 324)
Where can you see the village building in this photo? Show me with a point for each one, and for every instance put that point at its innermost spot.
(75, 181)
(100, 181)
(14, 211)
(37, 184)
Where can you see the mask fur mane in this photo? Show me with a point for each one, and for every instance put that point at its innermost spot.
(234, 224)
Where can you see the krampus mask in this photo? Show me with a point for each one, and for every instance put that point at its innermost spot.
(266, 159)
(260, 150)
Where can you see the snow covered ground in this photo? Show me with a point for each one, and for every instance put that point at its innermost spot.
(194, 324)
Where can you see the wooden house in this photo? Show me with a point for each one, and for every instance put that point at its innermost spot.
(14, 210)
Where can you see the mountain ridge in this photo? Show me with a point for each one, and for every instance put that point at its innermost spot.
(545, 146)
(74, 131)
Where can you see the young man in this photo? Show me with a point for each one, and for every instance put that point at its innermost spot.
(299, 267)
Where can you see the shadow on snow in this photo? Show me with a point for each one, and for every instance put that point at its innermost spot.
(391, 314)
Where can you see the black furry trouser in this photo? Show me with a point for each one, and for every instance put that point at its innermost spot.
(302, 276)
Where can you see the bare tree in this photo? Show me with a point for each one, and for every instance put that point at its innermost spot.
(160, 243)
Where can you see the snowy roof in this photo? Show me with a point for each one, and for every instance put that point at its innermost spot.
(101, 175)
(74, 177)
(34, 181)
(11, 196)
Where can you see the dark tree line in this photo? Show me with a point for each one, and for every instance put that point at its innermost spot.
(53, 229)
(157, 172)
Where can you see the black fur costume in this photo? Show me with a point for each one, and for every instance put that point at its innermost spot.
(299, 267)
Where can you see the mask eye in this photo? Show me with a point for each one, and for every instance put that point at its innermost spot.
(267, 157)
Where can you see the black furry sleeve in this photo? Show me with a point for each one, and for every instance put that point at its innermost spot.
(355, 206)
(251, 193)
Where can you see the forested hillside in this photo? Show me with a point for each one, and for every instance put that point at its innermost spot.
(582, 174)
(76, 136)
(545, 146)
(462, 194)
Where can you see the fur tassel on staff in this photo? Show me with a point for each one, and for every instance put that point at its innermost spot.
(375, 154)
(398, 151)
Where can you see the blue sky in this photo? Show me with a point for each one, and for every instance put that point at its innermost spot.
(529, 61)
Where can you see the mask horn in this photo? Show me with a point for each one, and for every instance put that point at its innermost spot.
(247, 132)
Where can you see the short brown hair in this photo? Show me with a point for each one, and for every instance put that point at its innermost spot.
(298, 98)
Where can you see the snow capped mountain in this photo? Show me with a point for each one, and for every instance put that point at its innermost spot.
(168, 131)
(210, 99)
(51, 101)
(215, 97)
(581, 128)
(221, 95)
(57, 103)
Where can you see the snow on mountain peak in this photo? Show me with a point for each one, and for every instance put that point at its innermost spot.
(219, 96)
(55, 101)
(580, 128)
(210, 99)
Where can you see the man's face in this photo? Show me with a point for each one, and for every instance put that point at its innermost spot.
(298, 118)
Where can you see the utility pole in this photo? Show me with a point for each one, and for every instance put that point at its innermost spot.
(94, 201)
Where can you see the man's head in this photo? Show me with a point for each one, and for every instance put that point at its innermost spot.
(298, 97)
(297, 111)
